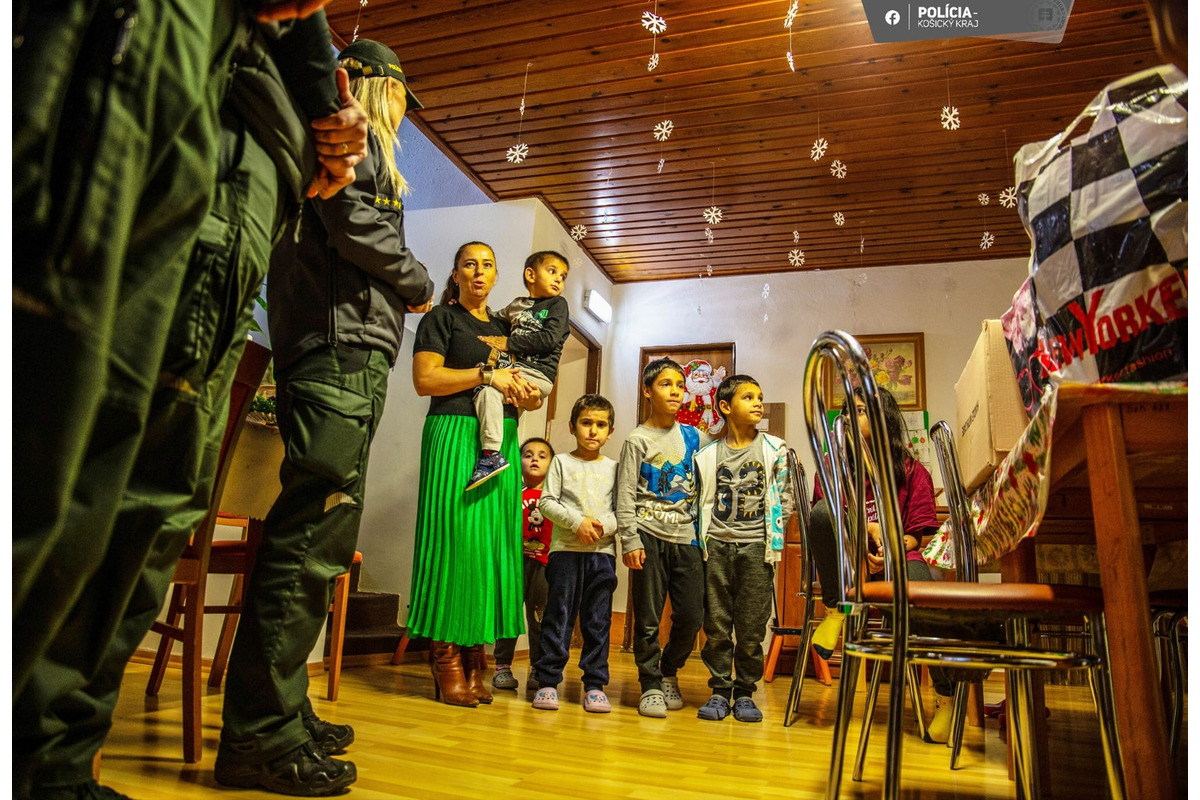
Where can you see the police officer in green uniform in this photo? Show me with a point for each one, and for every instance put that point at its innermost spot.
(340, 283)
(148, 335)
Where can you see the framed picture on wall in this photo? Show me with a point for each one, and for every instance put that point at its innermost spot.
(898, 362)
(704, 367)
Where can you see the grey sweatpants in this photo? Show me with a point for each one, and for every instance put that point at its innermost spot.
(738, 588)
(489, 407)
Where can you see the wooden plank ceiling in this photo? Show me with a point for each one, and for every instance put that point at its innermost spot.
(744, 123)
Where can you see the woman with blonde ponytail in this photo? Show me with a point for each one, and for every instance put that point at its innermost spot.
(341, 280)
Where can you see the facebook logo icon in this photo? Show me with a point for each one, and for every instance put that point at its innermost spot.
(892, 17)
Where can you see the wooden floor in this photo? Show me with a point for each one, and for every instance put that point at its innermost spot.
(408, 746)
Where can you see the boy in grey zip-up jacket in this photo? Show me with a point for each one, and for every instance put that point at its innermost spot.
(745, 502)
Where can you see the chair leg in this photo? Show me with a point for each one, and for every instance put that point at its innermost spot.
(1100, 681)
(165, 643)
(193, 632)
(841, 724)
(220, 660)
(772, 658)
(337, 632)
(914, 689)
(1022, 722)
(868, 715)
(398, 656)
(801, 666)
(958, 724)
(895, 725)
(1177, 672)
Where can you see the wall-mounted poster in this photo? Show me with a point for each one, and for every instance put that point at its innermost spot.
(704, 367)
(898, 363)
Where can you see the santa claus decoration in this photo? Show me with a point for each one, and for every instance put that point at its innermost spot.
(699, 407)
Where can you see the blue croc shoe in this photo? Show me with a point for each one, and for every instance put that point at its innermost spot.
(717, 708)
(744, 710)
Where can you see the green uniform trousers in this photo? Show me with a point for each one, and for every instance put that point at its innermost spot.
(114, 162)
(64, 711)
(329, 403)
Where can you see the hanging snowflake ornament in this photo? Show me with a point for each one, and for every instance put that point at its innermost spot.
(791, 61)
(796, 258)
(839, 218)
(795, 237)
(792, 11)
(653, 22)
(578, 232)
(987, 240)
(713, 215)
(950, 119)
(662, 162)
(1008, 198)
(708, 234)
(652, 64)
(837, 169)
(517, 153)
(819, 147)
(984, 199)
(766, 290)
(708, 267)
(361, 5)
(662, 131)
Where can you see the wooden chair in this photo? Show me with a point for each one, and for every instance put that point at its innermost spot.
(191, 573)
(337, 628)
(1014, 603)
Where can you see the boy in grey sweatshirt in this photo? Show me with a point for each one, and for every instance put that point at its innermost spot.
(656, 493)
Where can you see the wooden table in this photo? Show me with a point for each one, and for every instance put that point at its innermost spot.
(1116, 445)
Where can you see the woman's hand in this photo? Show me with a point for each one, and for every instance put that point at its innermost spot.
(497, 342)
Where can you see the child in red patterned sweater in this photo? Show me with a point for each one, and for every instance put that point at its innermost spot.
(535, 460)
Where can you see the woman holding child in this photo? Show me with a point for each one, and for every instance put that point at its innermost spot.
(467, 573)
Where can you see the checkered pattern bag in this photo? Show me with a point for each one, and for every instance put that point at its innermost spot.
(1107, 213)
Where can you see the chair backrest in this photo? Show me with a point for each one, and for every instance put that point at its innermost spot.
(800, 493)
(250, 371)
(844, 472)
(961, 520)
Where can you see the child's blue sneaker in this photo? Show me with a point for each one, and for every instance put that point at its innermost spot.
(716, 709)
(744, 710)
(489, 465)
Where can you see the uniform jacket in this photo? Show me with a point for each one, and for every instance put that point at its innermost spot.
(342, 273)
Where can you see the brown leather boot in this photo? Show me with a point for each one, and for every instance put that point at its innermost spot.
(475, 666)
(449, 681)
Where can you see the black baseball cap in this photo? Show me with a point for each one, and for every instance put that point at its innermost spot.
(378, 61)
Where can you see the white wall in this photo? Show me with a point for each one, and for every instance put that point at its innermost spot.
(945, 301)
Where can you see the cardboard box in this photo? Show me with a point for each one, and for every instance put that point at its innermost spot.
(991, 416)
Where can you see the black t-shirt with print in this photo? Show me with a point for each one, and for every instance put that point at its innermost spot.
(453, 332)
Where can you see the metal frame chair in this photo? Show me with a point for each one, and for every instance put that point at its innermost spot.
(1017, 603)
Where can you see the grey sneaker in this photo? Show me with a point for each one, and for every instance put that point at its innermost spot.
(671, 693)
(653, 704)
(504, 679)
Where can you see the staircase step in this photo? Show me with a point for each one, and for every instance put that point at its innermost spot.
(361, 643)
(366, 610)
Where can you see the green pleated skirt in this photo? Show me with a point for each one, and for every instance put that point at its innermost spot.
(467, 571)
